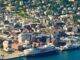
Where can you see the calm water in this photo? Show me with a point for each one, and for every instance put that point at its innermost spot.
(66, 55)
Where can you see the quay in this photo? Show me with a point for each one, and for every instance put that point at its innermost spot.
(26, 53)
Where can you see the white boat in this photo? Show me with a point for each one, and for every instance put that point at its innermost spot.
(40, 50)
(68, 47)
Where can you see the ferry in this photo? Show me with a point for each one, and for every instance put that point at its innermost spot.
(40, 51)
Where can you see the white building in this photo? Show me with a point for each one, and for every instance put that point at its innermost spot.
(24, 36)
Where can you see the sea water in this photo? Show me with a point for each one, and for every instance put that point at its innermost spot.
(65, 55)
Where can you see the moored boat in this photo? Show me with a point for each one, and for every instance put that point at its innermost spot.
(46, 49)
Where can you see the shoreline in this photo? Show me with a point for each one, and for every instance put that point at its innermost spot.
(22, 54)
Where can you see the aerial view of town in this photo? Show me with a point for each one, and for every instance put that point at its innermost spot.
(39, 29)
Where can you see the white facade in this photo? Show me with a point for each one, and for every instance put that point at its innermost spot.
(5, 45)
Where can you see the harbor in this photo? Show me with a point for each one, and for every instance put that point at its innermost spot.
(67, 43)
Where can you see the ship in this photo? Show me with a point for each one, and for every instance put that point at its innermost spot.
(41, 51)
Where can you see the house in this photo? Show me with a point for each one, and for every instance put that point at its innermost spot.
(25, 36)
